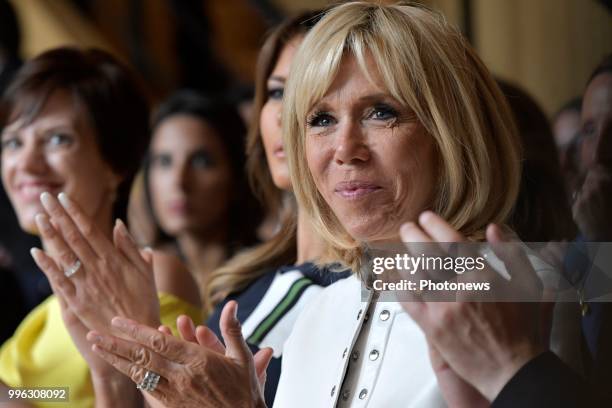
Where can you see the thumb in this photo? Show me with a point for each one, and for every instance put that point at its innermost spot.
(236, 347)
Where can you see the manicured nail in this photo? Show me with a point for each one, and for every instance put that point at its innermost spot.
(45, 199)
(425, 216)
(64, 200)
(35, 252)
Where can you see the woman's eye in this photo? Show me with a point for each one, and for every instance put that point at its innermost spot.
(383, 113)
(321, 120)
(201, 160)
(58, 139)
(276, 93)
(11, 143)
(161, 160)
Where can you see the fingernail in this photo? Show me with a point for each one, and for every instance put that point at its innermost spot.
(64, 200)
(236, 314)
(42, 222)
(425, 216)
(123, 229)
(45, 199)
(34, 252)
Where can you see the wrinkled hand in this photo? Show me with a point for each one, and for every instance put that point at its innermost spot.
(205, 337)
(484, 343)
(114, 279)
(192, 375)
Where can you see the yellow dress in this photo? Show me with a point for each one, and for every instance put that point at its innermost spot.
(41, 352)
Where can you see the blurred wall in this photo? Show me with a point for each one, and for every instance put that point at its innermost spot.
(549, 47)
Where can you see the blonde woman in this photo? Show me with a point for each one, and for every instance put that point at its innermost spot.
(388, 113)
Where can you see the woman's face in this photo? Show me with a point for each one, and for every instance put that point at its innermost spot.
(56, 152)
(189, 176)
(369, 157)
(270, 119)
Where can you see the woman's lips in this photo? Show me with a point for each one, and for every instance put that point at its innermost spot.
(353, 190)
(31, 190)
(279, 152)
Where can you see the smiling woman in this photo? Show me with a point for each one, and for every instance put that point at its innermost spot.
(76, 128)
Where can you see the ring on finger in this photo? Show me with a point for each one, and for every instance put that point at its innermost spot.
(72, 269)
(149, 382)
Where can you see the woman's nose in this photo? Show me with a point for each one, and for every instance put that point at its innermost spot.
(32, 159)
(351, 146)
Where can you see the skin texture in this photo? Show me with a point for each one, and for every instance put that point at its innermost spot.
(270, 119)
(189, 167)
(359, 134)
(185, 366)
(56, 152)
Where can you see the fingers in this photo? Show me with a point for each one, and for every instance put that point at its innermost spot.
(208, 339)
(169, 347)
(126, 245)
(56, 277)
(438, 229)
(68, 241)
(72, 215)
(236, 347)
(514, 258)
(64, 256)
(133, 371)
(138, 357)
(261, 359)
(165, 329)
(186, 328)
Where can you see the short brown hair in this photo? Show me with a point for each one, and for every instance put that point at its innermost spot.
(115, 104)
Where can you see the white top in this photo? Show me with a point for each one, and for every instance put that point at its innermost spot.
(348, 350)
(389, 360)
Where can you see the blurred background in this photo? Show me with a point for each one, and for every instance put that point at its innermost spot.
(548, 47)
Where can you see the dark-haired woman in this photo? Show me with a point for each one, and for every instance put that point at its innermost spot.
(76, 126)
(195, 185)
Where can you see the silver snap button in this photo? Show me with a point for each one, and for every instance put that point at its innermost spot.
(363, 393)
(366, 317)
(333, 391)
(374, 355)
(384, 315)
(355, 355)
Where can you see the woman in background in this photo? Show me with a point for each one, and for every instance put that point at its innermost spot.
(76, 123)
(195, 186)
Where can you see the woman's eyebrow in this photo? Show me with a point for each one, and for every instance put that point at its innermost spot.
(277, 78)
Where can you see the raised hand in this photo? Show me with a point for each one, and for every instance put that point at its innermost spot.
(112, 279)
(484, 343)
(192, 375)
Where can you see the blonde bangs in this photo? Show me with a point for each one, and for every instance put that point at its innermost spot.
(425, 64)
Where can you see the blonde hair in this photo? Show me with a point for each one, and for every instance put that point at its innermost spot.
(426, 65)
(281, 249)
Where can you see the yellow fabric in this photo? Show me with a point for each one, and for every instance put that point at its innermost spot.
(41, 352)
